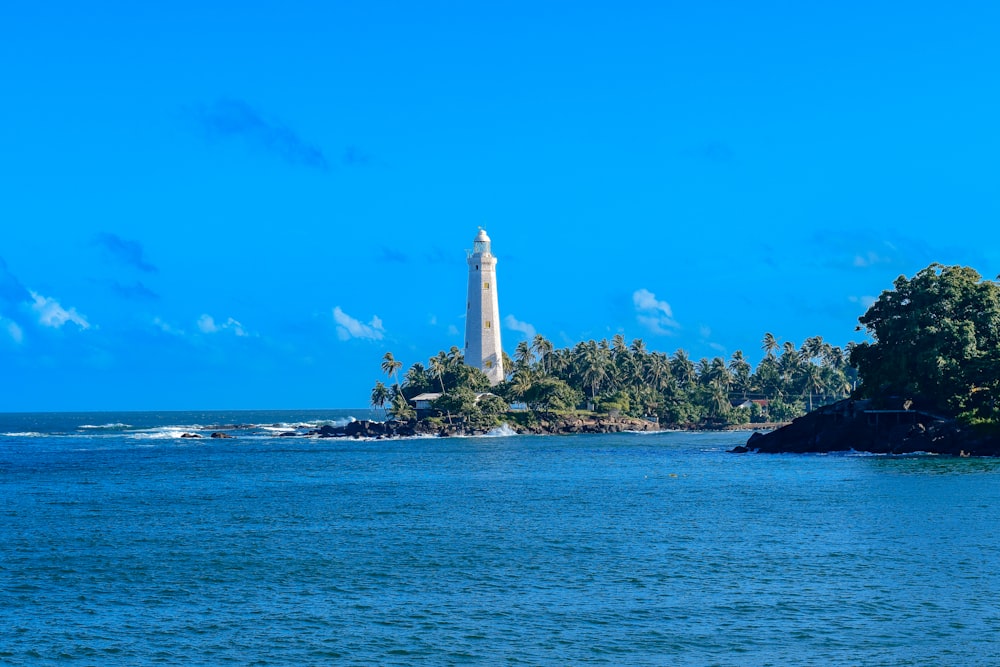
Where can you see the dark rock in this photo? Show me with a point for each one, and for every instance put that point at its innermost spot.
(287, 434)
(739, 449)
(220, 434)
(846, 426)
(190, 435)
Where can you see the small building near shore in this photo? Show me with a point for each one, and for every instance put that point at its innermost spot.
(424, 402)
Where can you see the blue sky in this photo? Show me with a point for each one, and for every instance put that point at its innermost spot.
(245, 205)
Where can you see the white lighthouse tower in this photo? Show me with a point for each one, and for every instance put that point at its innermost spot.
(482, 312)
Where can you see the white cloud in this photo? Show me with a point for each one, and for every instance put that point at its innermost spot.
(652, 313)
(12, 329)
(166, 327)
(452, 330)
(207, 324)
(514, 324)
(51, 314)
(348, 327)
(434, 320)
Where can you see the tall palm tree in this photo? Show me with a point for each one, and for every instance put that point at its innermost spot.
(542, 348)
(769, 345)
(391, 366)
(812, 348)
(740, 368)
(380, 396)
(683, 369)
(439, 364)
(638, 347)
(523, 355)
(592, 363)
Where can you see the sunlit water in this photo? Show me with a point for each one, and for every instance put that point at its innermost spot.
(122, 544)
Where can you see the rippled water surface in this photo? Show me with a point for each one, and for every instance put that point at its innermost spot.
(123, 544)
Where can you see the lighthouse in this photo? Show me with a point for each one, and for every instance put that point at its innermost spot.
(482, 312)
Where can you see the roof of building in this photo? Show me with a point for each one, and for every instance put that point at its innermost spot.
(426, 397)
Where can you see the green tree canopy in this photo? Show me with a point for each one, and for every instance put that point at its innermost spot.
(936, 339)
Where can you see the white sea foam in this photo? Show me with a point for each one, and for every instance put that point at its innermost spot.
(164, 432)
(502, 431)
(117, 426)
(24, 434)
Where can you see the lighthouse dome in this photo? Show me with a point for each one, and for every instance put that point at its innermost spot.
(481, 245)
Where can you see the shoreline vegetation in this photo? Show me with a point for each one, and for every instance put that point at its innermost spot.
(611, 385)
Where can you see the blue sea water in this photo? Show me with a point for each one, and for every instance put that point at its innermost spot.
(123, 544)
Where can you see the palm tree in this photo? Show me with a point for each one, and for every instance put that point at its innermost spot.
(657, 372)
(618, 343)
(523, 355)
(520, 383)
(769, 345)
(682, 368)
(542, 348)
(439, 365)
(638, 347)
(740, 368)
(380, 396)
(814, 382)
(391, 366)
(508, 364)
(592, 364)
(813, 348)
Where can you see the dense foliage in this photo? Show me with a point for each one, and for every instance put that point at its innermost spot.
(936, 342)
(615, 376)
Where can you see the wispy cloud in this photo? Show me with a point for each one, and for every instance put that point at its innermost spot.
(12, 329)
(514, 324)
(166, 327)
(652, 313)
(230, 118)
(348, 327)
(52, 314)
(207, 324)
(126, 251)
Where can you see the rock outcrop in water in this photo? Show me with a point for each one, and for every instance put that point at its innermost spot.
(855, 425)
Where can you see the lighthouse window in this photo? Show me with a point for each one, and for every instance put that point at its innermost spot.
(486, 285)
(487, 324)
(489, 364)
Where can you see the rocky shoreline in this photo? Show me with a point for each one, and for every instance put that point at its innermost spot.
(544, 425)
(855, 425)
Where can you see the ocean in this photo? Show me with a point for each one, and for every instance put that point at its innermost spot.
(122, 543)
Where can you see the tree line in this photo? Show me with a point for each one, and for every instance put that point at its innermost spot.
(616, 376)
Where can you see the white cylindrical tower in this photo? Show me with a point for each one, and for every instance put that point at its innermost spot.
(482, 311)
